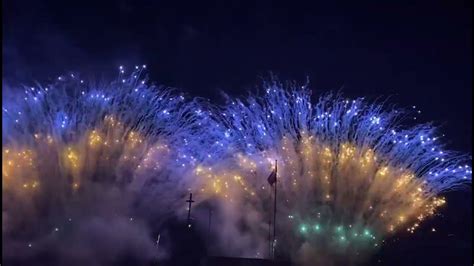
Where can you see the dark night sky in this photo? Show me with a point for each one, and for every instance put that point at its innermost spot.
(420, 54)
(417, 53)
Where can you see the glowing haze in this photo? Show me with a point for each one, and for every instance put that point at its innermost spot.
(87, 167)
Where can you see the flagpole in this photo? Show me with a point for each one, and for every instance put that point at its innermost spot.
(269, 237)
(275, 210)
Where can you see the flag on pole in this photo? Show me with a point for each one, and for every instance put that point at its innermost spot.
(272, 177)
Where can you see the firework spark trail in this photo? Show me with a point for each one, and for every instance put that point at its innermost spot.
(347, 168)
(261, 123)
(93, 156)
(349, 173)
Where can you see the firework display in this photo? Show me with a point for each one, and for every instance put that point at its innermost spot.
(79, 156)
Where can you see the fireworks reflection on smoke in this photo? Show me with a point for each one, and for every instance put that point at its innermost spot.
(78, 156)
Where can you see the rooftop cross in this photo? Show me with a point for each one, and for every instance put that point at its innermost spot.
(190, 201)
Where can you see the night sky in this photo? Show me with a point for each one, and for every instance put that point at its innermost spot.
(415, 53)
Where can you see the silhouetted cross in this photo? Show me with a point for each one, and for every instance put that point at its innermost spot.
(190, 201)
